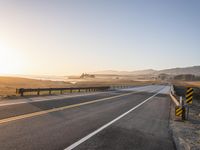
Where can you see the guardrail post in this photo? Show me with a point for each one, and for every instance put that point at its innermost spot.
(183, 107)
(172, 89)
(181, 101)
(49, 92)
(21, 92)
(187, 112)
(38, 92)
(183, 114)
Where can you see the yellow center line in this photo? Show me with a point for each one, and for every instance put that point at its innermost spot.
(61, 108)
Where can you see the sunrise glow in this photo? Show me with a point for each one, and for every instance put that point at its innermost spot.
(10, 60)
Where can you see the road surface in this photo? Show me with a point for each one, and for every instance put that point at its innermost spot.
(134, 118)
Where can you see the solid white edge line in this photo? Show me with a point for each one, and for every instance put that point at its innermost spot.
(109, 123)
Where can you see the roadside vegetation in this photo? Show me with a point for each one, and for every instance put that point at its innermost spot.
(187, 83)
(8, 85)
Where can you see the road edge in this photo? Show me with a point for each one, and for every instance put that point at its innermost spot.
(82, 140)
(179, 143)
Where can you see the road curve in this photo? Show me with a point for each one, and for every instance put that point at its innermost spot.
(146, 127)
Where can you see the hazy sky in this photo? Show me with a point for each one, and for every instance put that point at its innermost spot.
(60, 37)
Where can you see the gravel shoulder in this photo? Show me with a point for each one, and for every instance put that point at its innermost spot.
(186, 134)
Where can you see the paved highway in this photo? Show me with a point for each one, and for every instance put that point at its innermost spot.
(134, 118)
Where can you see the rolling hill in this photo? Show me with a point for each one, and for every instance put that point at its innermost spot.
(173, 71)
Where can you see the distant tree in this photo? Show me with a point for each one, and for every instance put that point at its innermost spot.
(85, 75)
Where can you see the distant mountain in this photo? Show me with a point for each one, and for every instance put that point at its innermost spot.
(111, 72)
(195, 70)
(147, 71)
(114, 72)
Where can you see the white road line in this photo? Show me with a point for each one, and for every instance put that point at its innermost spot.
(60, 97)
(108, 124)
(61, 108)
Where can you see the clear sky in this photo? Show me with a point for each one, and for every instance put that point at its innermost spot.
(60, 37)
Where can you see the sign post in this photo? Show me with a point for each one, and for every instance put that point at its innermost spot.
(189, 98)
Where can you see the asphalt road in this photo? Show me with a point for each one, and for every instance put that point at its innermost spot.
(136, 118)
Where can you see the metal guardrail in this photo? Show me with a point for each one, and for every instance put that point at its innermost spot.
(181, 109)
(21, 91)
(172, 95)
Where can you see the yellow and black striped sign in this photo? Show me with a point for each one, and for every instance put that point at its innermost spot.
(189, 95)
(178, 111)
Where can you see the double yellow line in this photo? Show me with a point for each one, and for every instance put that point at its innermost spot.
(60, 108)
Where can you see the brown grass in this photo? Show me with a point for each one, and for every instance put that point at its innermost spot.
(194, 83)
(187, 83)
(113, 82)
(8, 85)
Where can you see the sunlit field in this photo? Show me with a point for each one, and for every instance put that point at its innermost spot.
(194, 83)
(8, 85)
(187, 83)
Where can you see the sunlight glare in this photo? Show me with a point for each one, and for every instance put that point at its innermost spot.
(10, 60)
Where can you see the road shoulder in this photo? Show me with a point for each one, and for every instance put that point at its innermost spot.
(132, 131)
(186, 134)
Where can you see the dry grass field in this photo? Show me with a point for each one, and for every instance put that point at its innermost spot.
(8, 85)
(194, 83)
(187, 83)
(181, 87)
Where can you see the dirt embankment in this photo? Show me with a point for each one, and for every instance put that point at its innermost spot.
(187, 133)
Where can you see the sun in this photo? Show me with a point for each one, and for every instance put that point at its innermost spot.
(10, 60)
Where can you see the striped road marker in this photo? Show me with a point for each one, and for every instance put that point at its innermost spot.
(178, 111)
(189, 95)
